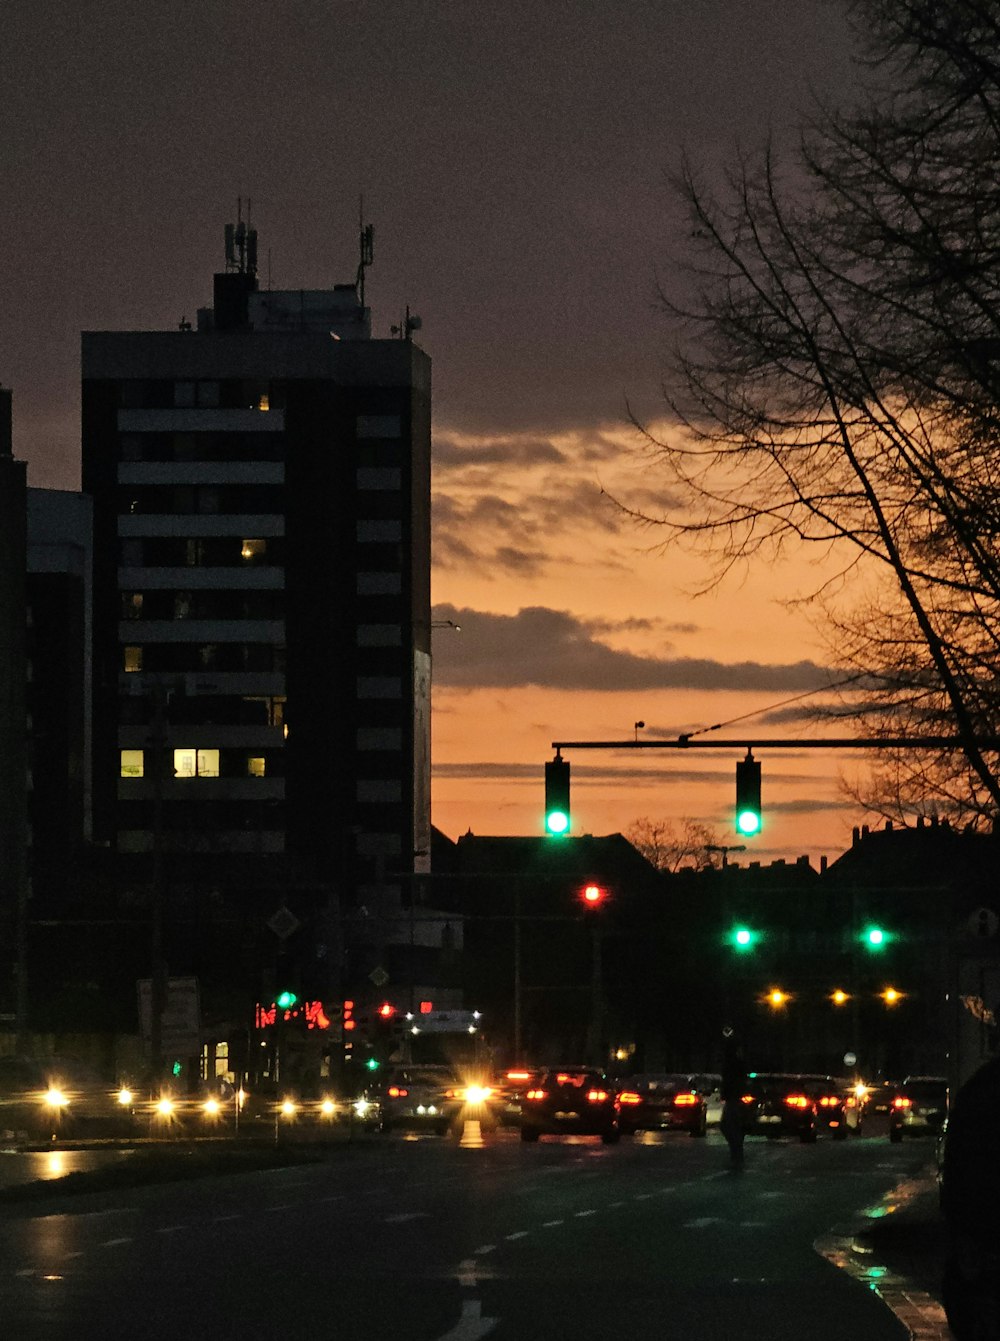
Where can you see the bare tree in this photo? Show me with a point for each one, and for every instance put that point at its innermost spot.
(835, 378)
(675, 847)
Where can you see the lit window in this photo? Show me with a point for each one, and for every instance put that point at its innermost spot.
(132, 658)
(264, 403)
(131, 764)
(132, 604)
(190, 763)
(253, 550)
(255, 767)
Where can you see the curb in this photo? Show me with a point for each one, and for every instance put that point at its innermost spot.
(919, 1311)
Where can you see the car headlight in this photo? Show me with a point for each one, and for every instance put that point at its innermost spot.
(55, 1098)
(477, 1094)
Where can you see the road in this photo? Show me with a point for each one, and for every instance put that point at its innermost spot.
(430, 1239)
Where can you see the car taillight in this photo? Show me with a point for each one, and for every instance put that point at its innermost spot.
(536, 1094)
(748, 1099)
(597, 1096)
(518, 1075)
(796, 1101)
(829, 1101)
(685, 1100)
(397, 1092)
(901, 1101)
(629, 1097)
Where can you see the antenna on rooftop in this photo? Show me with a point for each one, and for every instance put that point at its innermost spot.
(366, 249)
(241, 243)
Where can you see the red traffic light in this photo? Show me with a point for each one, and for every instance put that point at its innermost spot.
(387, 1010)
(594, 895)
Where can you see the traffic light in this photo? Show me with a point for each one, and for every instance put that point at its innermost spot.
(285, 1000)
(386, 1011)
(557, 816)
(875, 938)
(748, 816)
(593, 895)
(743, 938)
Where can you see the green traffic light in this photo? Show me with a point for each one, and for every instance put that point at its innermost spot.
(875, 938)
(373, 1063)
(557, 822)
(286, 1000)
(748, 822)
(743, 938)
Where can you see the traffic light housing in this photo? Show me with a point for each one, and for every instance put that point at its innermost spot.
(285, 1000)
(557, 814)
(875, 938)
(748, 814)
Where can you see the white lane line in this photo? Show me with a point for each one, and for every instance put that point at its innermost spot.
(582, 1215)
(77, 1253)
(114, 1243)
(25, 1271)
(486, 1248)
(551, 1224)
(752, 1224)
(518, 1234)
(285, 1206)
(471, 1325)
(402, 1218)
(702, 1222)
(221, 1219)
(613, 1205)
(170, 1229)
(643, 1196)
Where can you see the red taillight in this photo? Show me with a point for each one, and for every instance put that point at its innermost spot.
(747, 1099)
(518, 1075)
(796, 1101)
(685, 1100)
(629, 1097)
(397, 1092)
(829, 1101)
(901, 1101)
(597, 1096)
(536, 1094)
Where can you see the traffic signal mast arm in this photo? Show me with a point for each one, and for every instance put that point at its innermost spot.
(745, 743)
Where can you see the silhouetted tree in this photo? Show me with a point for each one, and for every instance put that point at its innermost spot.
(835, 381)
(674, 847)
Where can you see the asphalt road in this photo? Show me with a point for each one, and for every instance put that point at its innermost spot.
(430, 1239)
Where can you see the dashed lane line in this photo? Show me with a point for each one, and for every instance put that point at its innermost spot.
(551, 1224)
(170, 1229)
(518, 1234)
(486, 1248)
(582, 1215)
(115, 1243)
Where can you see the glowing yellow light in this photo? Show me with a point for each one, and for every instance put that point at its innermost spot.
(328, 1108)
(477, 1094)
(288, 1108)
(264, 403)
(890, 996)
(124, 1097)
(777, 998)
(212, 1107)
(165, 1106)
(55, 1098)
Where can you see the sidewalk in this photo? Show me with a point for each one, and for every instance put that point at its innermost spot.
(899, 1251)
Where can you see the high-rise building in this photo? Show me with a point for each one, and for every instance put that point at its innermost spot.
(261, 624)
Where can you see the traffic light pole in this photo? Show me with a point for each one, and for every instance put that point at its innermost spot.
(759, 743)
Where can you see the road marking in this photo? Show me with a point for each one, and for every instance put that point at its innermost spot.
(25, 1271)
(550, 1224)
(78, 1253)
(114, 1243)
(285, 1206)
(519, 1234)
(613, 1205)
(471, 1325)
(702, 1222)
(486, 1248)
(170, 1229)
(752, 1224)
(221, 1219)
(582, 1215)
(406, 1215)
(643, 1196)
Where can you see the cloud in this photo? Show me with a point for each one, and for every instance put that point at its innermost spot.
(554, 649)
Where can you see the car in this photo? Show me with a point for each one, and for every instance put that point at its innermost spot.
(61, 1096)
(581, 1100)
(508, 1093)
(662, 1101)
(433, 1097)
(802, 1105)
(919, 1107)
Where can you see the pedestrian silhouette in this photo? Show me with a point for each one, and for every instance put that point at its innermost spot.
(733, 1087)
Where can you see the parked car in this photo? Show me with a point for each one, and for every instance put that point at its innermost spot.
(777, 1104)
(919, 1107)
(43, 1097)
(579, 1100)
(661, 1101)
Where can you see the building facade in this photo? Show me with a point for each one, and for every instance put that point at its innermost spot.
(261, 628)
